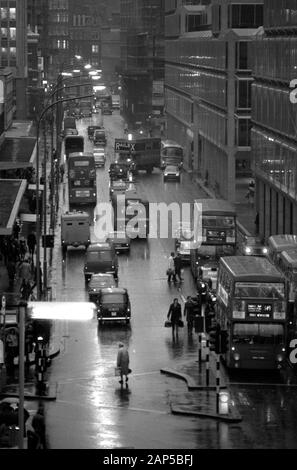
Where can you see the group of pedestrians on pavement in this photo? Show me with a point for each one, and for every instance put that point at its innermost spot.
(17, 254)
(174, 267)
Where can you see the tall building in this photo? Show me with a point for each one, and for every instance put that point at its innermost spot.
(13, 50)
(85, 21)
(142, 58)
(111, 43)
(208, 83)
(58, 37)
(274, 132)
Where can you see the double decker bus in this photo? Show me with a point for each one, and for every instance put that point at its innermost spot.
(74, 143)
(82, 179)
(279, 243)
(218, 231)
(251, 307)
(126, 207)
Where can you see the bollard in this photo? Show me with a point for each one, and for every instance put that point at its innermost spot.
(218, 384)
(207, 362)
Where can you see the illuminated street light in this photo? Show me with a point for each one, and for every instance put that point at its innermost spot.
(66, 74)
(78, 57)
(93, 72)
(76, 71)
(88, 66)
(130, 136)
(96, 77)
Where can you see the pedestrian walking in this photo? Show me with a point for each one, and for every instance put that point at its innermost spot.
(31, 242)
(25, 289)
(171, 269)
(178, 266)
(189, 313)
(35, 277)
(23, 249)
(38, 424)
(174, 315)
(123, 362)
(16, 229)
(25, 272)
(11, 351)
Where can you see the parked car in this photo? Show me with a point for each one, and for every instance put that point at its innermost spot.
(113, 304)
(99, 156)
(100, 258)
(171, 173)
(98, 282)
(119, 240)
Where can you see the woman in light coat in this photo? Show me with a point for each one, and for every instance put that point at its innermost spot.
(123, 362)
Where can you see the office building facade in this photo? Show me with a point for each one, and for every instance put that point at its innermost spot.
(274, 116)
(208, 86)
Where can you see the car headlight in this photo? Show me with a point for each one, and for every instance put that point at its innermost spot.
(236, 356)
(265, 251)
(279, 357)
(248, 250)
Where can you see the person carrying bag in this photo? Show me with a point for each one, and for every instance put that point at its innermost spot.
(175, 316)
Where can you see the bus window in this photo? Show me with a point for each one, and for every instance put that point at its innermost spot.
(260, 290)
(258, 333)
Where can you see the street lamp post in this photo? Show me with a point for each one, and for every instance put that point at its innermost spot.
(45, 110)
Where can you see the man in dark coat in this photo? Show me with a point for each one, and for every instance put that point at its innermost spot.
(189, 313)
(38, 424)
(174, 315)
(31, 242)
(178, 266)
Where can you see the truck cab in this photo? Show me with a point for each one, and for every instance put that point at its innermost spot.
(75, 230)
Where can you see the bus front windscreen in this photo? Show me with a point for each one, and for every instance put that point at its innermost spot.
(172, 152)
(218, 221)
(258, 333)
(263, 290)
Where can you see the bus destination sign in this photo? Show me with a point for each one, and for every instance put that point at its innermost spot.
(259, 310)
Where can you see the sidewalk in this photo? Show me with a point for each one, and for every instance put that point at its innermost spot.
(200, 400)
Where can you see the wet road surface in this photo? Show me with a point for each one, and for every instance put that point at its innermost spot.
(92, 410)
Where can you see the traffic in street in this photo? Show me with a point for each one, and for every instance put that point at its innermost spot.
(93, 410)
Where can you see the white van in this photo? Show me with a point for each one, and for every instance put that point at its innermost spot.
(75, 230)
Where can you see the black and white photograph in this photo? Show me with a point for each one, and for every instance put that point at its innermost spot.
(148, 228)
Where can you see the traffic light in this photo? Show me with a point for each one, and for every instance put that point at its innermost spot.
(224, 341)
(214, 340)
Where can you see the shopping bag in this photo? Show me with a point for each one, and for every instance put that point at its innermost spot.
(117, 371)
(180, 323)
(167, 324)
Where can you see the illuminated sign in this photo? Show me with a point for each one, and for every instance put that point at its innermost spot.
(259, 310)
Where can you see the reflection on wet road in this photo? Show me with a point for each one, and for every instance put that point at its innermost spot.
(92, 410)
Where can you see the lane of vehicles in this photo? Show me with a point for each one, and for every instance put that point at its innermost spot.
(144, 153)
(98, 282)
(99, 138)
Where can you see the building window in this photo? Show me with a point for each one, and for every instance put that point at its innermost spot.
(12, 33)
(12, 52)
(243, 94)
(245, 16)
(242, 55)
(4, 32)
(4, 13)
(95, 49)
(243, 132)
(12, 13)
